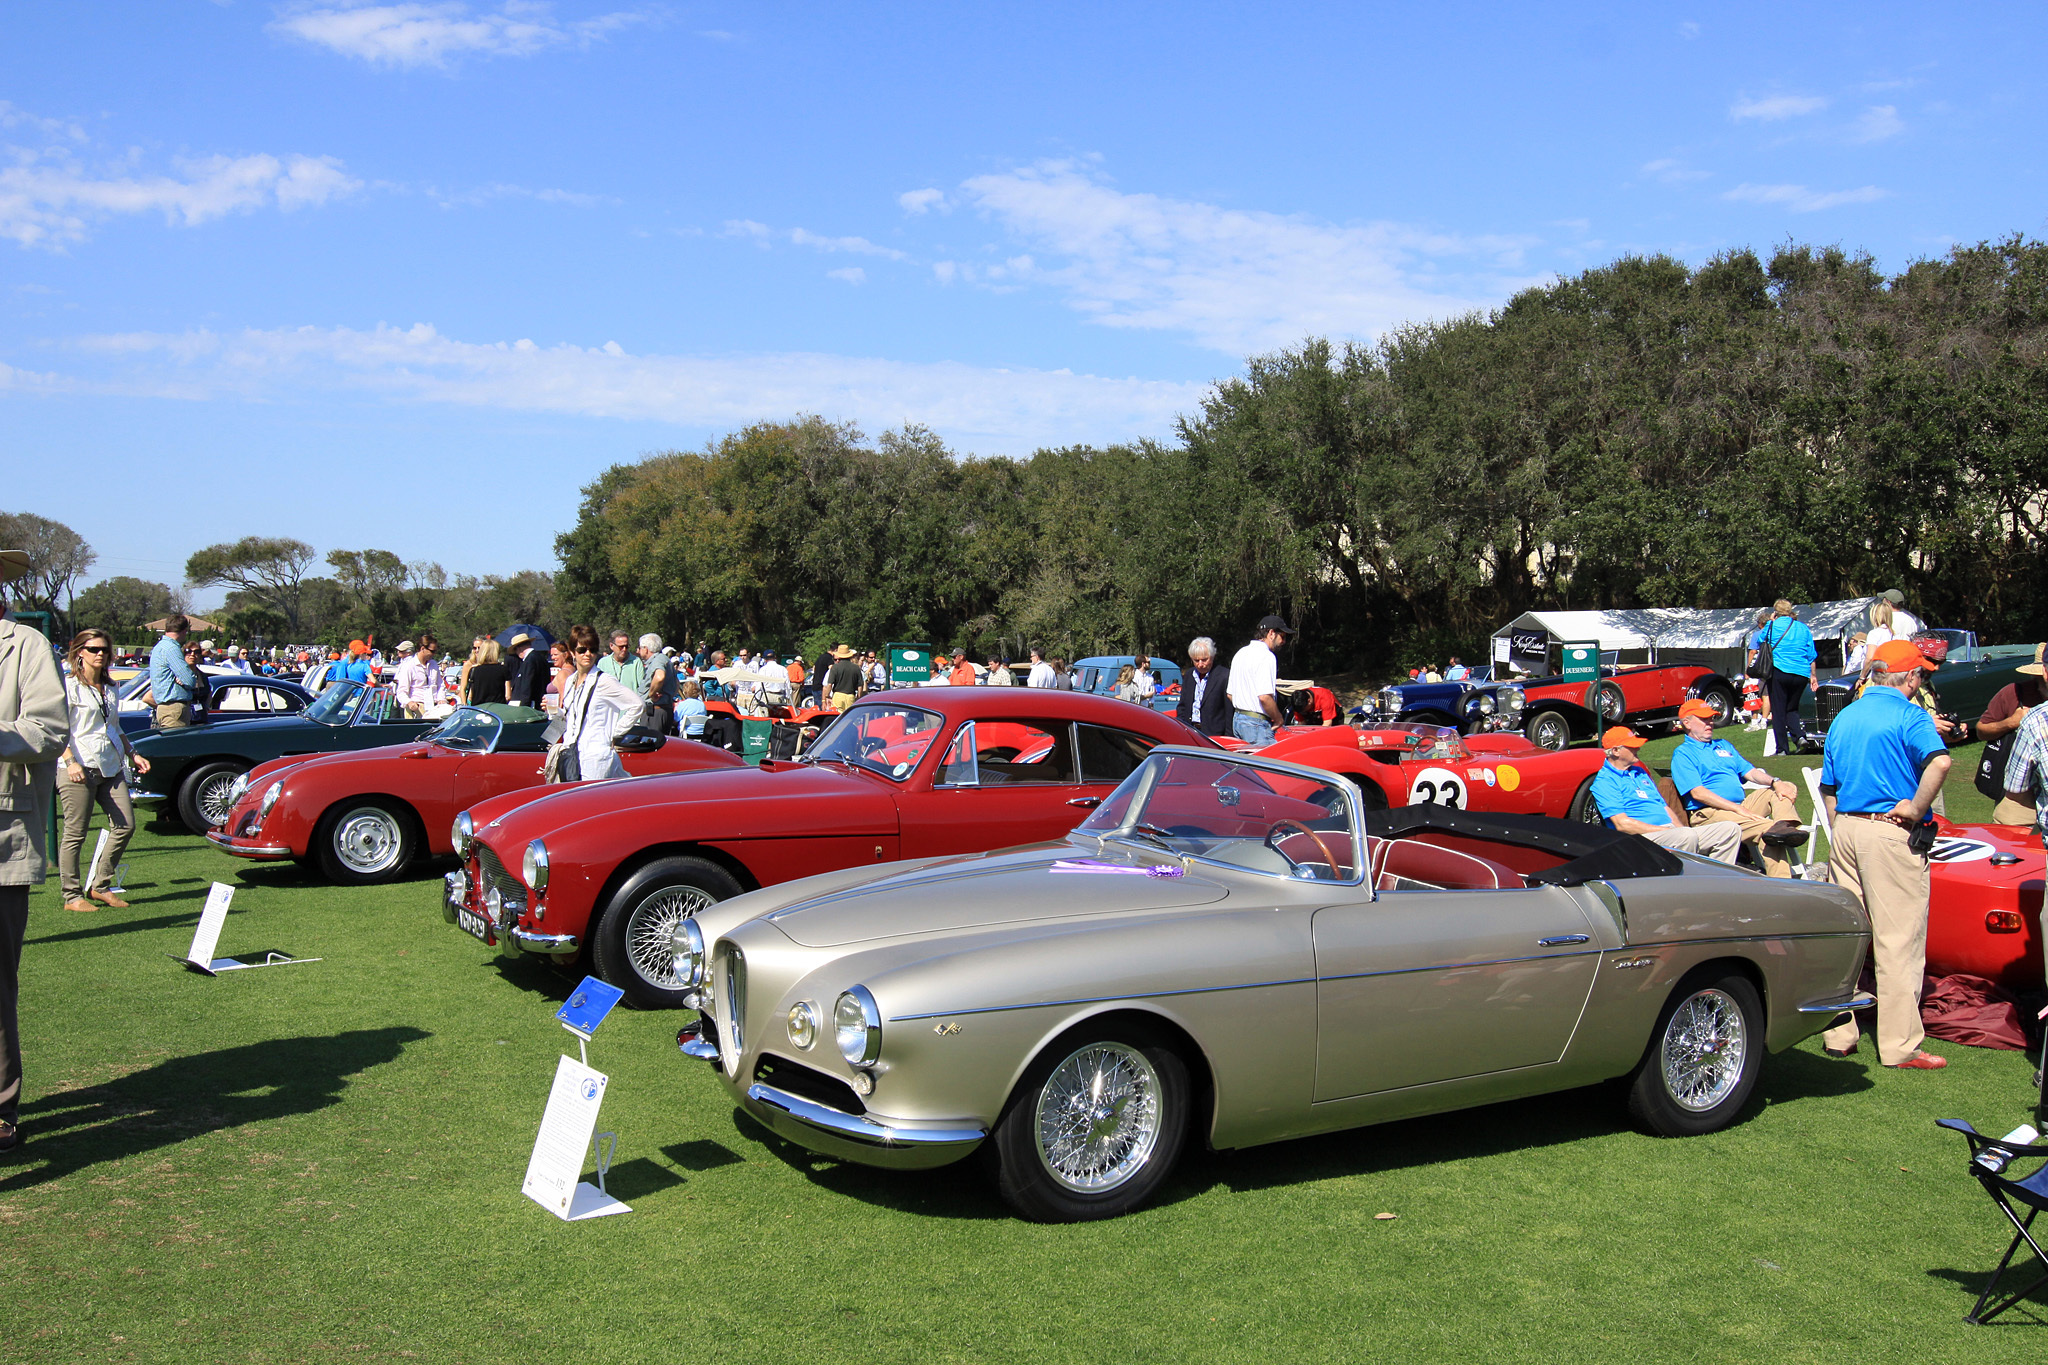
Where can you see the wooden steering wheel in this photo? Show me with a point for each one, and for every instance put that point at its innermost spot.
(1329, 858)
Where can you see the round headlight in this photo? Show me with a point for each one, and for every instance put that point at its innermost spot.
(857, 1026)
(494, 901)
(238, 790)
(687, 943)
(1485, 705)
(1511, 699)
(803, 1024)
(464, 831)
(270, 795)
(534, 867)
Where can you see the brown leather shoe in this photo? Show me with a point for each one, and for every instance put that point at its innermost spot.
(1922, 1061)
(110, 899)
(83, 907)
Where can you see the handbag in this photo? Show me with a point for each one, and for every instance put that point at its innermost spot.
(1991, 766)
(562, 763)
(1760, 667)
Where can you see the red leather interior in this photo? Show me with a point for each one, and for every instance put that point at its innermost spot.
(1395, 860)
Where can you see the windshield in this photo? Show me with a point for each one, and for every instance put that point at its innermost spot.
(1264, 819)
(1437, 742)
(883, 738)
(469, 730)
(338, 704)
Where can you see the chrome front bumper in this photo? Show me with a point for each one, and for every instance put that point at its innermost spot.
(855, 1137)
(455, 890)
(261, 852)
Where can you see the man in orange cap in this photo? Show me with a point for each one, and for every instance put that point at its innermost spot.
(1627, 795)
(1709, 774)
(1883, 766)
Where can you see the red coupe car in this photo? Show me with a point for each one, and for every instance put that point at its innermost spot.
(608, 873)
(366, 815)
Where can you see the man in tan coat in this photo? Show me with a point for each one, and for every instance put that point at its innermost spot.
(34, 724)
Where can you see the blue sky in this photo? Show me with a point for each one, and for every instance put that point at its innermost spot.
(409, 275)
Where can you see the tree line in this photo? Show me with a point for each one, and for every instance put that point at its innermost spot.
(1642, 434)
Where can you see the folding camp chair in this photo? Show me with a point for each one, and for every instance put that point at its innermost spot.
(1820, 825)
(1990, 1158)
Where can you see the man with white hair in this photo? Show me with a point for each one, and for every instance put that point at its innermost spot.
(661, 680)
(1205, 690)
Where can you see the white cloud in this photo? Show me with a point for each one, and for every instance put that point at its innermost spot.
(484, 194)
(922, 201)
(1688, 30)
(49, 201)
(11, 117)
(852, 274)
(1800, 199)
(1877, 123)
(991, 410)
(1771, 108)
(764, 236)
(1234, 280)
(412, 35)
(1672, 172)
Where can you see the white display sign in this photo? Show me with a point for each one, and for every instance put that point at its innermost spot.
(207, 936)
(554, 1173)
(99, 851)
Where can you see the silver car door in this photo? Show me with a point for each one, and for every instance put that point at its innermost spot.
(1419, 986)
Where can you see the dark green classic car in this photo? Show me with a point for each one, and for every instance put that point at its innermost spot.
(195, 768)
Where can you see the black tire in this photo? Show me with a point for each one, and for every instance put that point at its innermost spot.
(1584, 809)
(626, 944)
(1722, 699)
(1053, 1189)
(1672, 1094)
(204, 793)
(1606, 701)
(1548, 730)
(366, 840)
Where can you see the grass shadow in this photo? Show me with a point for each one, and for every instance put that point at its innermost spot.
(702, 1155)
(179, 1099)
(528, 973)
(104, 928)
(961, 1191)
(638, 1178)
(2031, 1311)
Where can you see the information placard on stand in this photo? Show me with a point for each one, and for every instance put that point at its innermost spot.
(206, 938)
(554, 1173)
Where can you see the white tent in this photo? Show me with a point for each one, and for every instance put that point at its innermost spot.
(1715, 636)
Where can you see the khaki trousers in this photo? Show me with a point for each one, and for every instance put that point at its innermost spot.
(1871, 859)
(1760, 810)
(841, 700)
(173, 715)
(2011, 812)
(1709, 841)
(110, 794)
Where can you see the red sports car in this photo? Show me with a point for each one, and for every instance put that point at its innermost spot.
(1400, 764)
(1984, 904)
(365, 815)
(608, 873)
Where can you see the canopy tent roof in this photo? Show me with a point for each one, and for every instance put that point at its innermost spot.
(1685, 627)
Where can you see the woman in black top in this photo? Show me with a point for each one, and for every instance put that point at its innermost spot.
(489, 682)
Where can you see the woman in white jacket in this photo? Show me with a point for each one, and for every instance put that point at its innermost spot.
(596, 709)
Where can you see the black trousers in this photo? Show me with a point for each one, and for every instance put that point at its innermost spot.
(13, 928)
(1785, 690)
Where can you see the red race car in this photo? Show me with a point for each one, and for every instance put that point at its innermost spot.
(366, 815)
(1402, 764)
(608, 873)
(1984, 904)
(1556, 712)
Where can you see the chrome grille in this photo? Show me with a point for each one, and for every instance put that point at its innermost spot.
(492, 873)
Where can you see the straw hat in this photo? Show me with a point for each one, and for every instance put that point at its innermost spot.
(2034, 669)
(13, 564)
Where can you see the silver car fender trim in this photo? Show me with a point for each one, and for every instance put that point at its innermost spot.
(860, 1129)
(1860, 1000)
(542, 943)
(1098, 1000)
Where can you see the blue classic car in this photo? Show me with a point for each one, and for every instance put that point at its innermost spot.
(1475, 706)
(1098, 673)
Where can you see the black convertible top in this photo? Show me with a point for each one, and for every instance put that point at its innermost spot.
(1592, 852)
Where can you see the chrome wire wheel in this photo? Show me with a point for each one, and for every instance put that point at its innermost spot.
(1098, 1117)
(1703, 1050)
(368, 840)
(216, 799)
(651, 930)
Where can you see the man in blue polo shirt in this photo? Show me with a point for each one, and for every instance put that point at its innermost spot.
(1885, 763)
(172, 681)
(1627, 795)
(1709, 775)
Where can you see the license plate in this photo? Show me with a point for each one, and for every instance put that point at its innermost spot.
(474, 923)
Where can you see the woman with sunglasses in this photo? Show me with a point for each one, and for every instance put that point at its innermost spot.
(596, 709)
(92, 772)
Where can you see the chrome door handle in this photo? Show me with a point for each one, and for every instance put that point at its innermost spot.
(1561, 940)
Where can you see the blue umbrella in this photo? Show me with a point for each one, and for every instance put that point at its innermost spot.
(541, 638)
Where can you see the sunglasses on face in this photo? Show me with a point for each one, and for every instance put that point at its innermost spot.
(584, 649)
(93, 649)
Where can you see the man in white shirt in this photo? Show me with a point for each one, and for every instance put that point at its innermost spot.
(420, 684)
(1255, 684)
(1042, 674)
(1905, 625)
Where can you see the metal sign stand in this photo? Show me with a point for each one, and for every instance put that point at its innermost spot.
(552, 1173)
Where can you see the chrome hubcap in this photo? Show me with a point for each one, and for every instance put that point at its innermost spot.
(651, 932)
(1098, 1117)
(1549, 733)
(1704, 1047)
(367, 840)
(216, 799)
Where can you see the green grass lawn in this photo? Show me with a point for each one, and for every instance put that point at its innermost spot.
(322, 1162)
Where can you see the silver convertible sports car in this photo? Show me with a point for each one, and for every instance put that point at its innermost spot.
(1232, 950)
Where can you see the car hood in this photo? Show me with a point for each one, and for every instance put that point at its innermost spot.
(215, 730)
(987, 890)
(710, 804)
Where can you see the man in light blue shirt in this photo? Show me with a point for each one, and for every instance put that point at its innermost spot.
(172, 681)
(1627, 795)
(1709, 775)
(1457, 672)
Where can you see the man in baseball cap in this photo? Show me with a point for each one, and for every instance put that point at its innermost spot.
(1883, 766)
(1254, 686)
(1709, 775)
(1627, 795)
